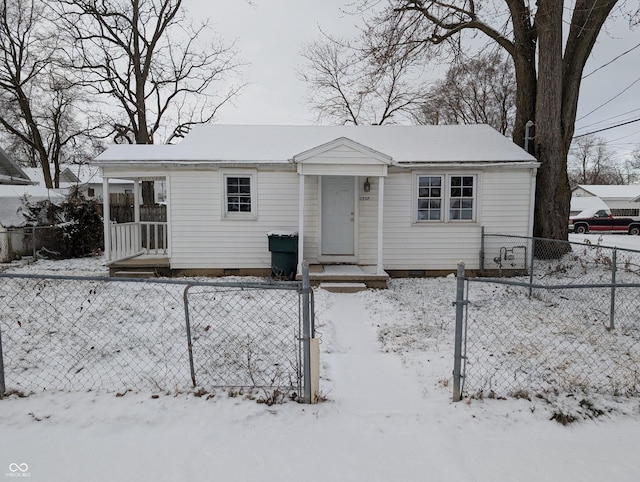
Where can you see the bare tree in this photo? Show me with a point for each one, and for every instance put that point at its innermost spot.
(591, 161)
(39, 104)
(353, 83)
(148, 58)
(474, 91)
(548, 68)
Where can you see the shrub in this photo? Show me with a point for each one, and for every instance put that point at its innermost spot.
(75, 226)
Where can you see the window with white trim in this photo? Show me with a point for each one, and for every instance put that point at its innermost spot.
(461, 197)
(445, 197)
(239, 200)
(429, 198)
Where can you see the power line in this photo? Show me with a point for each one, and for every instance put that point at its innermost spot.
(608, 128)
(609, 118)
(610, 62)
(611, 99)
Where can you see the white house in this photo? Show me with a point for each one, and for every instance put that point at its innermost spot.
(620, 199)
(375, 200)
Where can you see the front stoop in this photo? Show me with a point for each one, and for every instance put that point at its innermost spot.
(343, 287)
(347, 274)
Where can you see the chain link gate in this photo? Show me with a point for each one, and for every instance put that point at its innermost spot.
(92, 333)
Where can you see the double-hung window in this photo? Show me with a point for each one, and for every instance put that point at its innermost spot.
(461, 197)
(239, 199)
(429, 198)
(445, 197)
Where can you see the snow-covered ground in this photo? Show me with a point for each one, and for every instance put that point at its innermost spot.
(388, 414)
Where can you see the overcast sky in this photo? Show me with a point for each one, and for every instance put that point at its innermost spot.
(270, 34)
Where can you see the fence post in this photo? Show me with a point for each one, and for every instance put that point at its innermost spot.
(185, 297)
(3, 387)
(531, 261)
(306, 333)
(614, 267)
(457, 355)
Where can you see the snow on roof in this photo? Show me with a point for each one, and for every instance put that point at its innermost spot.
(580, 204)
(12, 201)
(10, 172)
(72, 174)
(613, 191)
(268, 143)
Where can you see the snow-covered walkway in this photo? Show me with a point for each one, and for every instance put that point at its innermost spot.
(366, 380)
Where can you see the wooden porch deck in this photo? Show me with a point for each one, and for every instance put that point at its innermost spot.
(143, 266)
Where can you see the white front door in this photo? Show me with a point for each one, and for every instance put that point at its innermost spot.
(338, 216)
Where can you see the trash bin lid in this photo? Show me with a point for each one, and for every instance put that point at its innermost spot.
(282, 234)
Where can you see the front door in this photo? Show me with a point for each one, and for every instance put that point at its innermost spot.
(338, 216)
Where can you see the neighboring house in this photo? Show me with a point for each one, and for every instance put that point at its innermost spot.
(398, 200)
(16, 240)
(619, 198)
(85, 176)
(586, 205)
(10, 172)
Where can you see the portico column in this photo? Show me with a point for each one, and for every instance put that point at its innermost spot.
(106, 215)
(380, 267)
(136, 201)
(301, 224)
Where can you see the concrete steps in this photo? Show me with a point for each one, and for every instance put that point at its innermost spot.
(134, 274)
(337, 287)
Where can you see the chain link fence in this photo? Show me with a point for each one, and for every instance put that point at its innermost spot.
(70, 333)
(568, 324)
(550, 261)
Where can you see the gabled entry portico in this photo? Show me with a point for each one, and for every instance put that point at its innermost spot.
(347, 174)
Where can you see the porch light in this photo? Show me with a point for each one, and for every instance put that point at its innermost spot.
(367, 185)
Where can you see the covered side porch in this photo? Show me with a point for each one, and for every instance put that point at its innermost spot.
(140, 246)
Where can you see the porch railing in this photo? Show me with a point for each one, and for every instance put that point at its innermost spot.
(127, 240)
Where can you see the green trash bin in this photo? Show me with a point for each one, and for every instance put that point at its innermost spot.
(284, 255)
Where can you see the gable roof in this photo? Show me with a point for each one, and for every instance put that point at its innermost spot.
(613, 191)
(10, 172)
(277, 144)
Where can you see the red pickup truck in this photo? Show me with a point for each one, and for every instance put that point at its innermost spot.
(603, 221)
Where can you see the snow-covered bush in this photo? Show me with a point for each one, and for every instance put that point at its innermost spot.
(70, 229)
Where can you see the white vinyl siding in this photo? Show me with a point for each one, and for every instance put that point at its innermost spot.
(502, 198)
(203, 238)
(367, 210)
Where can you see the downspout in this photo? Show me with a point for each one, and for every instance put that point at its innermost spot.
(532, 200)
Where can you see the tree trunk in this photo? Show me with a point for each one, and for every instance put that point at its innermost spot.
(552, 186)
(523, 54)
